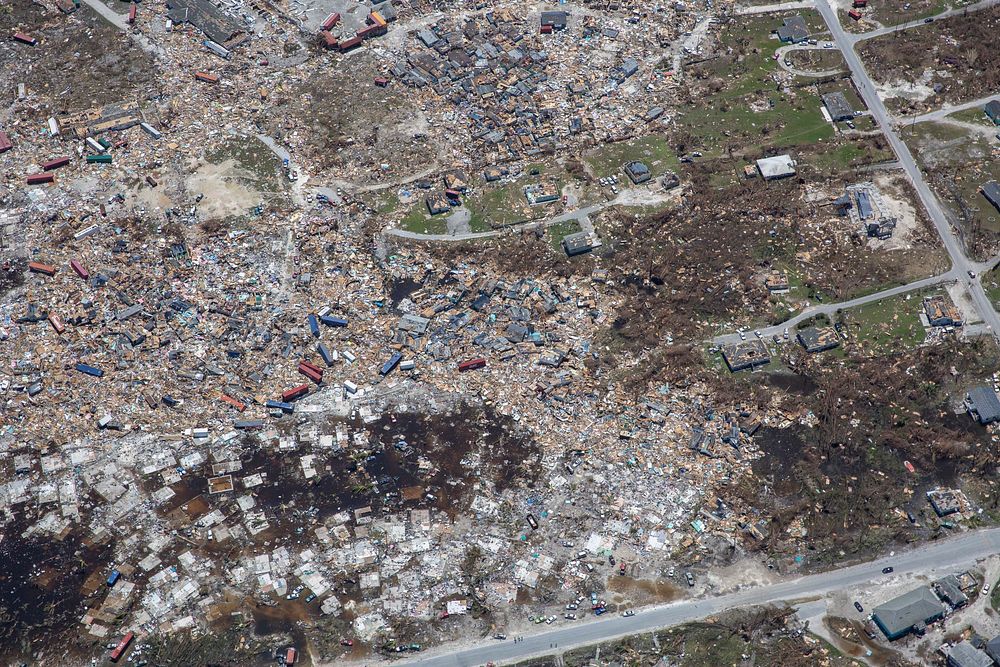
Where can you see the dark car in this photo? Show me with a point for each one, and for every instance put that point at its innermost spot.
(929, 20)
(886, 570)
(857, 605)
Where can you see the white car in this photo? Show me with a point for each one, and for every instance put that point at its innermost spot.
(743, 335)
(986, 589)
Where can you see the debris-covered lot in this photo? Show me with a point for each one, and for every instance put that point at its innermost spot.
(330, 338)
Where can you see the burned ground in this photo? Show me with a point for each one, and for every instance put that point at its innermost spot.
(117, 69)
(873, 415)
(960, 53)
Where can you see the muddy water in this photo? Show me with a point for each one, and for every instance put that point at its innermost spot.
(42, 582)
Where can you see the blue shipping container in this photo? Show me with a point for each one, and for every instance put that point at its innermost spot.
(90, 370)
(279, 405)
(313, 325)
(113, 578)
(325, 353)
(389, 365)
(331, 321)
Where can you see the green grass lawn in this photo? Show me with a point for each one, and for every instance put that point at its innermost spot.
(418, 220)
(652, 150)
(561, 230)
(887, 325)
(976, 116)
(991, 285)
(784, 119)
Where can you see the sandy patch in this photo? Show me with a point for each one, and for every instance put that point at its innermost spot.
(223, 193)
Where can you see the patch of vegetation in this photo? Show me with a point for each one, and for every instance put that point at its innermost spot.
(886, 326)
(652, 150)
(420, 221)
(561, 230)
(260, 167)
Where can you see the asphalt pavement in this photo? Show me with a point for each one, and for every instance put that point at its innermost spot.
(939, 557)
(854, 38)
(864, 84)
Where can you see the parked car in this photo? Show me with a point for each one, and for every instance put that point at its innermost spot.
(857, 605)
(501, 637)
(690, 578)
(986, 589)
(929, 19)
(628, 613)
(886, 570)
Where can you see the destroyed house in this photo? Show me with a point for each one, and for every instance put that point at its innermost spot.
(941, 312)
(991, 191)
(793, 30)
(983, 405)
(838, 106)
(881, 229)
(204, 16)
(945, 501)
(818, 339)
(910, 612)
(438, 203)
(746, 354)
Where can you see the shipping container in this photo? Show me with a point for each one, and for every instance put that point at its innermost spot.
(239, 405)
(55, 164)
(471, 365)
(349, 44)
(90, 370)
(290, 656)
(294, 393)
(377, 19)
(56, 323)
(280, 405)
(391, 364)
(79, 269)
(329, 41)
(381, 81)
(150, 130)
(122, 647)
(311, 372)
(407, 365)
(132, 12)
(99, 159)
(25, 39)
(217, 49)
(38, 267)
(39, 179)
(5, 143)
(113, 577)
(313, 325)
(170, 401)
(330, 21)
(325, 354)
(349, 356)
(53, 127)
(350, 387)
(94, 145)
(332, 321)
(206, 77)
(249, 424)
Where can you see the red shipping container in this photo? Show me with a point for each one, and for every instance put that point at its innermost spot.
(79, 269)
(290, 656)
(56, 323)
(239, 405)
(122, 646)
(5, 143)
(25, 39)
(295, 392)
(55, 164)
(471, 365)
(38, 179)
(38, 267)
(329, 41)
(206, 77)
(331, 20)
(131, 13)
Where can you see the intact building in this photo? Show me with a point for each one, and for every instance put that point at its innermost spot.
(555, 20)
(578, 243)
(991, 191)
(964, 654)
(983, 405)
(638, 172)
(793, 31)
(746, 354)
(773, 168)
(818, 339)
(838, 106)
(910, 612)
(993, 111)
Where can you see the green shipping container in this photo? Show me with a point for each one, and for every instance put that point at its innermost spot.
(104, 142)
(98, 159)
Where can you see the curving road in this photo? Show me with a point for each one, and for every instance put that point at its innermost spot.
(943, 556)
(865, 86)
(860, 37)
(944, 112)
(783, 50)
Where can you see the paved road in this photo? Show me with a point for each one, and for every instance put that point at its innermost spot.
(831, 308)
(581, 215)
(120, 21)
(960, 262)
(783, 50)
(860, 37)
(767, 9)
(942, 556)
(947, 111)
